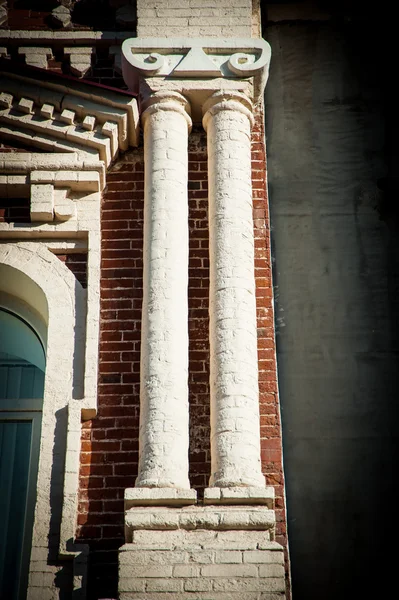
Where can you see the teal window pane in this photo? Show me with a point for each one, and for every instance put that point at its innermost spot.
(22, 359)
(22, 366)
(15, 454)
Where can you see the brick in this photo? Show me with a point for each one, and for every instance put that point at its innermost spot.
(249, 585)
(225, 556)
(202, 557)
(272, 570)
(266, 556)
(226, 570)
(197, 585)
(186, 571)
(164, 585)
(151, 557)
(131, 584)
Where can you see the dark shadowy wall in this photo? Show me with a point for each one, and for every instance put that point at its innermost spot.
(332, 129)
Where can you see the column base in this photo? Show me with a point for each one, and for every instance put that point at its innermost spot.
(240, 495)
(200, 561)
(221, 518)
(159, 497)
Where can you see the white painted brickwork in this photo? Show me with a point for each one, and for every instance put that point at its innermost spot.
(194, 18)
(202, 564)
(163, 458)
(235, 436)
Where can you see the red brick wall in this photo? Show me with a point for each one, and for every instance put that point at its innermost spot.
(14, 210)
(86, 14)
(77, 263)
(198, 319)
(110, 442)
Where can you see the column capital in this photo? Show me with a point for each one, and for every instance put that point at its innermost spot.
(227, 100)
(196, 67)
(167, 101)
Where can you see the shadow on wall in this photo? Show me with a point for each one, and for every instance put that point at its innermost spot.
(332, 131)
(64, 577)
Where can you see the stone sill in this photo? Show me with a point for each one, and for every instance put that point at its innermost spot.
(159, 497)
(240, 495)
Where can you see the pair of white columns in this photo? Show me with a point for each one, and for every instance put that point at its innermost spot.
(235, 433)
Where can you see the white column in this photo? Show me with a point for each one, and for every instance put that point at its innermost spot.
(163, 460)
(235, 427)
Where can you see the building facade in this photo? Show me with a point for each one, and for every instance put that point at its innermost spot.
(153, 272)
(136, 251)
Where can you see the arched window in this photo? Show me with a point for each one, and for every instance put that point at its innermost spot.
(22, 367)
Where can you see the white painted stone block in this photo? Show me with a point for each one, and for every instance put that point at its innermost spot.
(67, 116)
(164, 585)
(265, 556)
(248, 584)
(272, 570)
(159, 497)
(197, 585)
(89, 123)
(47, 111)
(5, 100)
(42, 202)
(186, 571)
(25, 105)
(240, 495)
(133, 556)
(228, 556)
(229, 570)
(36, 56)
(131, 584)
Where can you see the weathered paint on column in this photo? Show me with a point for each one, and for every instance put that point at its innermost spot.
(235, 432)
(163, 460)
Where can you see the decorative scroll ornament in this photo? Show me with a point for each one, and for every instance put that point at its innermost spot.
(195, 58)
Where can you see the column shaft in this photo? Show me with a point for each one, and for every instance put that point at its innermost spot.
(163, 460)
(235, 428)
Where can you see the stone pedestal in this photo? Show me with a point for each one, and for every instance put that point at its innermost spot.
(203, 553)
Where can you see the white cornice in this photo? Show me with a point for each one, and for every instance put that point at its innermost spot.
(23, 35)
(64, 115)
